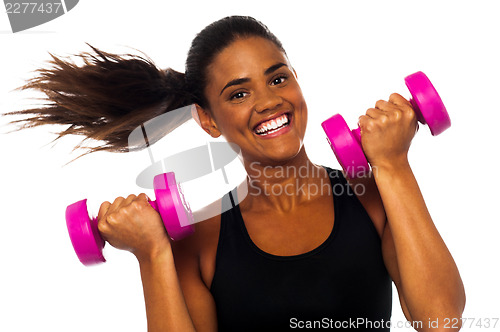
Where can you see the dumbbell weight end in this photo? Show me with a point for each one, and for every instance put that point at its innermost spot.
(173, 208)
(84, 235)
(427, 103)
(346, 145)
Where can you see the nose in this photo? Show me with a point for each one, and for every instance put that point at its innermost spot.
(267, 99)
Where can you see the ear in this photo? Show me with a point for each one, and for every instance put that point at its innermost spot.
(295, 73)
(205, 119)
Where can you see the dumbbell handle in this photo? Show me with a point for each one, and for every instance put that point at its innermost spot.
(152, 203)
(357, 132)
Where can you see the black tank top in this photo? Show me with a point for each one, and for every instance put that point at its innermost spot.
(341, 284)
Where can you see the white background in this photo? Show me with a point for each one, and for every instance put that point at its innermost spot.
(348, 55)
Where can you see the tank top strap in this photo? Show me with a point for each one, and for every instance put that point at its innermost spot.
(352, 210)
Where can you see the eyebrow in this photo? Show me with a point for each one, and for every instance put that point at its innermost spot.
(239, 81)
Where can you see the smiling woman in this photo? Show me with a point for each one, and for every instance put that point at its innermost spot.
(259, 87)
(296, 250)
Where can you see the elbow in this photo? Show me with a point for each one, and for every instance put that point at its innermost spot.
(458, 302)
(443, 314)
(450, 309)
(448, 319)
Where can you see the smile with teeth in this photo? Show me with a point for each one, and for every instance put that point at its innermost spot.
(273, 125)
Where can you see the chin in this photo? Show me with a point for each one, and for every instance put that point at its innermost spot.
(285, 155)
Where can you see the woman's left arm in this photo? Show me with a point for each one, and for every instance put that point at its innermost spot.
(415, 254)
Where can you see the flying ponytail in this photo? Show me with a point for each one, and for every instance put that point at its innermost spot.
(111, 95)
(105, 99)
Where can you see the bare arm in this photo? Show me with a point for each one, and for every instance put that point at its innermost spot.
(166, 309)
(415, 254)
(429, 281)
(131, 224)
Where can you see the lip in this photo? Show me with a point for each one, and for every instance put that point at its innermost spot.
(281, 131)
(274, 116)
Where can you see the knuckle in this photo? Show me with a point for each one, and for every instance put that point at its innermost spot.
(140, 206)
(103, 208)
(396, 114)
(119, 199)
(125, 211)
(143, 196)
(384, 118)
(362, 121)
(102, 226)
(133, 208)
(380, 103)
(128, 210)
(395, 96)
(369, 126)
(405, 115)
(370, 111)
(409, 113)
(113, 218)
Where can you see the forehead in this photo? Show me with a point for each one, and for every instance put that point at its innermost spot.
(244, 58)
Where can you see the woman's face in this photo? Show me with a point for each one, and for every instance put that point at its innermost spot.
(255, 101)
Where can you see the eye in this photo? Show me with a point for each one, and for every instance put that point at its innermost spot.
(278, 80)
(238, 95)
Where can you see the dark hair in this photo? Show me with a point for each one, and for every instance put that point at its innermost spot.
(111, 95)
(211, 41)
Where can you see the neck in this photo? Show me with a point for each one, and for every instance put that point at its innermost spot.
(281, 187)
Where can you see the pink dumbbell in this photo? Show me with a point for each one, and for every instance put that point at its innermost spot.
(346, 143)
(170, 203)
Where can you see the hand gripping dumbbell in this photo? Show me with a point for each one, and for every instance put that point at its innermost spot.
(346, 143)
(170, 204)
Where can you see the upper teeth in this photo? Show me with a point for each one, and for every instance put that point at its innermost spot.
(272, 124)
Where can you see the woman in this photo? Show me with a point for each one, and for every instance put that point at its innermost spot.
(310, 256)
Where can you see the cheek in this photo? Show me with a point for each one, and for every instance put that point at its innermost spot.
(297, 98)
(301, 114)
(294, 94)
(231, 124)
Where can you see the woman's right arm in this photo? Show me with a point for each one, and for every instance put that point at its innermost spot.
(131, 224)
(176, 297)
(166, 308)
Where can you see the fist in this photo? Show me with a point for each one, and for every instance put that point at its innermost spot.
(132, 224)
(387, 131)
